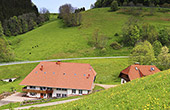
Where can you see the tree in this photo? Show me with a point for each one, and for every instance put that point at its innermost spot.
(14, 26)
(143, 53)
(157, 46)
(92, 6)
(164, 36)
(1, 30)
(7, 32)
(5, 51)
(98, 41)
(149, 33)
(66, 12)
(164, 59)
(114, 6)
(131, 34)
(45, 12)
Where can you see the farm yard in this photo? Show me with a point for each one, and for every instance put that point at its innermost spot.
(107, 72)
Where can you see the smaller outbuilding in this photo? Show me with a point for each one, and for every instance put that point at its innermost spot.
(9, 80)
(137, 71)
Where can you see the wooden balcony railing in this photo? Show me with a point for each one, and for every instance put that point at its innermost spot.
(37, 91)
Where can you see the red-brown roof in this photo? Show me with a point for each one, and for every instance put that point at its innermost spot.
(136, 71)
(62, 75)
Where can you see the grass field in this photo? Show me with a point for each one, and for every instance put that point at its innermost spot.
(56, 41)
(149, 93)
(107, 72)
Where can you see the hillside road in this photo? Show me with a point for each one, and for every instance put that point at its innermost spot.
(85, 58)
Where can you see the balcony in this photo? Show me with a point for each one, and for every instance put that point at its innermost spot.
(37, 91)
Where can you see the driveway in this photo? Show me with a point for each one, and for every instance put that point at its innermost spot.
(46, 104)
(16, 97)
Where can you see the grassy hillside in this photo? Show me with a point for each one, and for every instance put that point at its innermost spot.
(107, 72)
(56, 41)
(149, 93)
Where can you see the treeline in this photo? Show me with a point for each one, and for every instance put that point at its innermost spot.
(135, 31)
(69, 16)
(23, 23)
(10, 8)
(80, 9)
(6, 53)
(107, 3)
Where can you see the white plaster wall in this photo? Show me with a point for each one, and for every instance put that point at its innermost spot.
(85, 91)
(36, 88)
(7, 80)
(55, 92)
(123, 81)
(77, 92)
(37, 95)
(69, 91)
(28, 87)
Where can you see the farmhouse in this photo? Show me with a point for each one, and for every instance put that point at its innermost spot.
(137, 71)
(59, 79)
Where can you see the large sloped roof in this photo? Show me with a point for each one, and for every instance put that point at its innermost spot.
(61, 75)
(135, 71)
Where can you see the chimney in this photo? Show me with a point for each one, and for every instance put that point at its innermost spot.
(88, 76)
(137, 63)
(41, 68)
(58, 62)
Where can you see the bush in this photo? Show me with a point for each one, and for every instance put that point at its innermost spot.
(98, 41)
(115, 45)
(166, 5)
(114, 6)
(116, 34)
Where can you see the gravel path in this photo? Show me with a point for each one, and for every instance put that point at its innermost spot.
(24, 62)
(106, 86)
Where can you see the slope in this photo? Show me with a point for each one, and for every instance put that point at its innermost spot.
(151, 92)
(56, 41)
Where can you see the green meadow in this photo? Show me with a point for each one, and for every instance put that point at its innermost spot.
(147, 93)
(54, 40)
(107, 72)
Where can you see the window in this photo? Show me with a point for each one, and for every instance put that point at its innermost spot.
(80, 91)
(58, 95)
(59, 89)
(33, 94)
(42, 88)
(53, 72)
(64, 95)
(84, 74)
(49, 88)
(64, 89)
(75, 74)
(32, 87)
(44, 95)
(64, 73)
(74, 91)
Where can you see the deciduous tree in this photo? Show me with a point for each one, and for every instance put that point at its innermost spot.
(163, 61)
(143, 53)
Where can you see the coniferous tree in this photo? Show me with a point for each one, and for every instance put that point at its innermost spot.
(1, 30)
